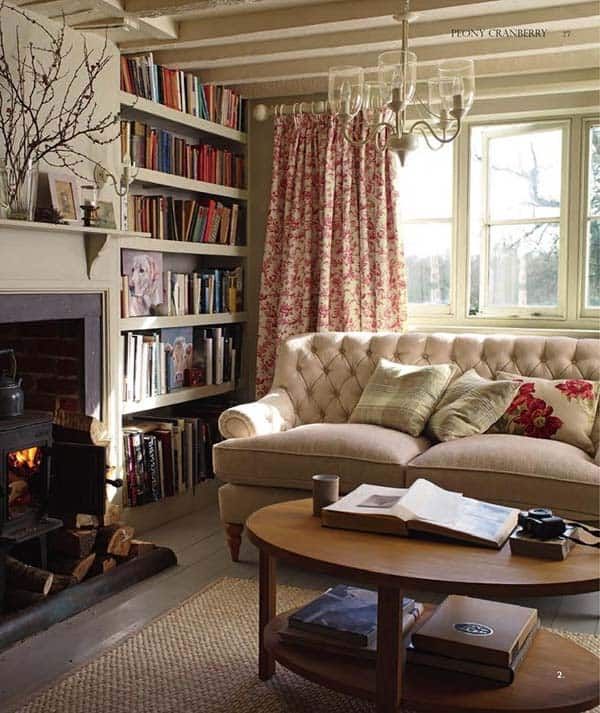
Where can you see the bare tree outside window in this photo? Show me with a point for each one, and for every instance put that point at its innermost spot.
(515, 218)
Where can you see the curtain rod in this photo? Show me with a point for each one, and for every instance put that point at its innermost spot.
(262, 112)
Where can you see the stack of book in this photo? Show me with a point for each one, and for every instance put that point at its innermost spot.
(187, 220)
(161, 150)
(476, 637)
(205, 292)
(343, 621)
(181, 90)
(161, 362)
(164, 457)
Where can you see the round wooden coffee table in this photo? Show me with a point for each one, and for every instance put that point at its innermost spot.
(557, 675)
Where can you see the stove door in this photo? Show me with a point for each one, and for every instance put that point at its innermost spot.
(78, 480)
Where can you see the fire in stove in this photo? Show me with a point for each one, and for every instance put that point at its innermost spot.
(24, 472)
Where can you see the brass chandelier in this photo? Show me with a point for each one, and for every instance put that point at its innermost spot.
(450, 96)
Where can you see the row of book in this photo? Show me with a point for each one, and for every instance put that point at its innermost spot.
(343, 621)
(166, 456)
(213, 291)
(186, 220)
(161, 362)
(161, 150)
(182, 91)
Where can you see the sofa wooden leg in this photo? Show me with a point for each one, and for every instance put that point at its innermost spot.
(234, 539)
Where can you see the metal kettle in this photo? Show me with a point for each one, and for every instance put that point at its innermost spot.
(12, 397)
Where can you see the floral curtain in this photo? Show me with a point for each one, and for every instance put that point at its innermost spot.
(333, 258)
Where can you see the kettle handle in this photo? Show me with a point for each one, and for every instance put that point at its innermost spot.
(14, 360)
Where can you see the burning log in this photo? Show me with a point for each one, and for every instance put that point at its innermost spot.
(79, 521)
(73, 543)
(114, 540)
(21, 576)
(77, 568)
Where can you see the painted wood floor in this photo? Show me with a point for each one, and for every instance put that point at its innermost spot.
(203, 557)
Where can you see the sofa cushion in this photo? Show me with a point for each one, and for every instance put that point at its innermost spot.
(562, 410)
(402, 396)
(470, 406)
(358, 453)
(516, 471)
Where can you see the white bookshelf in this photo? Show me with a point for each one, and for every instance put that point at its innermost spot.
(180, 118)
(192, 254)
(187, 320)
(180, 396)
(169, 180)
(183, 248)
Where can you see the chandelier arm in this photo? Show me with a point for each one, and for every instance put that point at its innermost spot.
(425, 107)
(442, 139)
(357, 143)
(427, 138)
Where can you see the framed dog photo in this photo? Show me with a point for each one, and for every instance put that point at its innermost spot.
(105, 215)
(64, 194)
(144, 281)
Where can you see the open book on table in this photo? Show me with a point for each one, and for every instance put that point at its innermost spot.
(424, 507)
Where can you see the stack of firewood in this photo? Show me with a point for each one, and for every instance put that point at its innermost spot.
(80, 550)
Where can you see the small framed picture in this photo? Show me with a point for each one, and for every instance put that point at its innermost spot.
(64, 194)
(105, 215)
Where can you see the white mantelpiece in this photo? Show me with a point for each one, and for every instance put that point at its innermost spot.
(39, 258)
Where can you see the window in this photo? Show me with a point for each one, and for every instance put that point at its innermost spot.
(426, 207)
(516, 220)
(592, 219)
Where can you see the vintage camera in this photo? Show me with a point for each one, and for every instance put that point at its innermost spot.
(542, 524)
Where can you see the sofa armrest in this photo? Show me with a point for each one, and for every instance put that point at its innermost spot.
(597, 456)
(271, 414)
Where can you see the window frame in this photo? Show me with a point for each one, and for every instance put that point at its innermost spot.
(429, 310)
(559, 310)
(585, 217)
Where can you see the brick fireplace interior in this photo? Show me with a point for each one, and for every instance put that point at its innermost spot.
(50, 361)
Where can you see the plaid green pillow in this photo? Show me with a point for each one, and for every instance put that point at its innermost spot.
(402, 396)
(470, 406)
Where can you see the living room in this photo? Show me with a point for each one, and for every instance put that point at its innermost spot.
(299, 356)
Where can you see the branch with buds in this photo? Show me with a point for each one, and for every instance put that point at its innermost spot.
(48, 107)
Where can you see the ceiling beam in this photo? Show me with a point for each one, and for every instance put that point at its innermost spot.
(510, 68)
(377, 39)
(286, 21)
(428, 55)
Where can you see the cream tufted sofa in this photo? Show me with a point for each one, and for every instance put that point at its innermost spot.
(300, 428)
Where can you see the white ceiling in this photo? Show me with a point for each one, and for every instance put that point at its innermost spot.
(283, 47)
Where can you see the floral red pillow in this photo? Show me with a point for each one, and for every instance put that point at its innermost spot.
(562, 410)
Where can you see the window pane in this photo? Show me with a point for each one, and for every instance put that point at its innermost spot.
(524, 175)
(593, 265)
(425, 184)
(594, 171)
(523, 265)
(427, 249)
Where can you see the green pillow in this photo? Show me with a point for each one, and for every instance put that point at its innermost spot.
(402, 396)
(470, 406)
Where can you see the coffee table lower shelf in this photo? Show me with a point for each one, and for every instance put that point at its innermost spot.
(557, 676)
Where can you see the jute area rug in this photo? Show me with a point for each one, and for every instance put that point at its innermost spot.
(200, 658)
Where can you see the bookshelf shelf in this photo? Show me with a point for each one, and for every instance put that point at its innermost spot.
(166, 113)
(179, 246)
(169, 180)
(186, 320)
(176, 397)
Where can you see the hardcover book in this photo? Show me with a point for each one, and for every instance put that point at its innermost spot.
(424, 507)
(344, 613)
(477, 630)
(501, 674)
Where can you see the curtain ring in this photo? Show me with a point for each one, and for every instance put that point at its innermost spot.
(295, 114)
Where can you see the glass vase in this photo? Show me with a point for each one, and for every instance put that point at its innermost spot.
(23, 201)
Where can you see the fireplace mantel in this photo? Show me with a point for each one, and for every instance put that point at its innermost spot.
(95, 238)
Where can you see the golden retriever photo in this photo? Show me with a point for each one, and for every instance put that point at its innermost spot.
(144, 275)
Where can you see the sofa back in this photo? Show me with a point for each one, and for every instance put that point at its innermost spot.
(324, 373)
